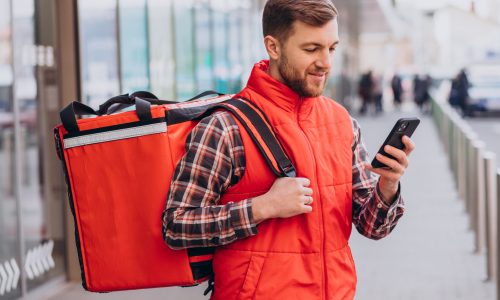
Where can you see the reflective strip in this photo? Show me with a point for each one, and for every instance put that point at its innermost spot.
(199, 102)
(114, 135)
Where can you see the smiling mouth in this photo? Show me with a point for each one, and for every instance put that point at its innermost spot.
(318, 74)
(318, 78)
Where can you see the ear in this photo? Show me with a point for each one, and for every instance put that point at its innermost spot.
(273, 47)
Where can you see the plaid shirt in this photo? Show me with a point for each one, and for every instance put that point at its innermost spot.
(215, 160)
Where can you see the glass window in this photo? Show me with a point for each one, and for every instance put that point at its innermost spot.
(162, 64)
(41, 222)
(258, 50)
(98, 50)
(134, 46)
(184, 49)
(234, 51)
(221, 45)
(246, 39)
(9, 239)
(204, 59)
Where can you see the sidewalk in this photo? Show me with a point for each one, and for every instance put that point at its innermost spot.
(428, 256)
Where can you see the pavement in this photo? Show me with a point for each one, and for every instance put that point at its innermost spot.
(428, 256)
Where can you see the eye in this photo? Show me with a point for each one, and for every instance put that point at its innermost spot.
(332, 50)
(310, 49)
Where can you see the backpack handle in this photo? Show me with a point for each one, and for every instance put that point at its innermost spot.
(126, 100)
(142, 99)
(75, 108)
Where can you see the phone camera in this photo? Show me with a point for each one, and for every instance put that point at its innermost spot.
(403, 126)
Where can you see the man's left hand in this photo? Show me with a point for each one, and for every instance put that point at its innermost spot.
(390, 175)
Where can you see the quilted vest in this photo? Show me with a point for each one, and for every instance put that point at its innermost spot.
(305, 256)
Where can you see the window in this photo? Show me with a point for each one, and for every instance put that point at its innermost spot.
(234, 51)
(246, 39)
(98, 50)
(221, 45)
(161, 40)
(9, 239)
(203, 39)
(184, 49)
(134, 56)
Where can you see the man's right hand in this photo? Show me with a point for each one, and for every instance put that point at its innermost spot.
(286, 198)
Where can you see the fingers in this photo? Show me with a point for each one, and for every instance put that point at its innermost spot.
(400, 156)
(289, 197)
(384, 172)
(307, 208)
(304, 181)
(307, 200)
(393, 164)
(409, 145)
(307, 191)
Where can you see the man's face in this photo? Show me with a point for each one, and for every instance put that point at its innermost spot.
(305, 59)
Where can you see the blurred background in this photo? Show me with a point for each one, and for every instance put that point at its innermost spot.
(437, 60)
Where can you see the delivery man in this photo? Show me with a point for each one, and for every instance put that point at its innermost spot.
(285, 238)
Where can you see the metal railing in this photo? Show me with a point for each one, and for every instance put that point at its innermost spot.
(478, 181)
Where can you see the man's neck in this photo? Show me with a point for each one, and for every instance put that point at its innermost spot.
(274, 72)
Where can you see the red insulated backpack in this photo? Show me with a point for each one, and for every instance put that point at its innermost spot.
(118, 166)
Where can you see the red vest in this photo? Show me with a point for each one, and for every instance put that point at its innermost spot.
(306, 256)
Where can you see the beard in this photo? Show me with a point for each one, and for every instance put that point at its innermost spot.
(297, 82)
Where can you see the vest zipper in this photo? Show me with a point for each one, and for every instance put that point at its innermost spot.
(321, 227)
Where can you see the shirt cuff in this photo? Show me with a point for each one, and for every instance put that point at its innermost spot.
(383, 203)
(242, 218)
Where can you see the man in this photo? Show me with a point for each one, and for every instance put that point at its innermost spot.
(365, 91)
(377, 92)
(285, 238)
(397, 90)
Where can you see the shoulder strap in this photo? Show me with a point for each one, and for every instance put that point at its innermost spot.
(262, 133)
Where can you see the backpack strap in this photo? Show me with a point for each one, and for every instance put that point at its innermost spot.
(262, 133)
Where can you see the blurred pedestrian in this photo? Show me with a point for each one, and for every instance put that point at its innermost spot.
(459, 93)
(453, 97)
(417, 86)
(365, 88)
(345, 90)
(397, 90)
(377, 92)
(424, 94)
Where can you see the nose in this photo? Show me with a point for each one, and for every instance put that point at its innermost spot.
(324, 60)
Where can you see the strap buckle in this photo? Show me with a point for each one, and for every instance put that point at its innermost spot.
(288, 170)
(210, 286)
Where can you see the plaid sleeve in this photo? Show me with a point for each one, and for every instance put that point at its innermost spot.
(214, 160)
(371, 215)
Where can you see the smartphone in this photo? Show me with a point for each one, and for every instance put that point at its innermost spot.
(404, 126)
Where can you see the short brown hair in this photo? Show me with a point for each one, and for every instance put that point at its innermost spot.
(279, 15)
